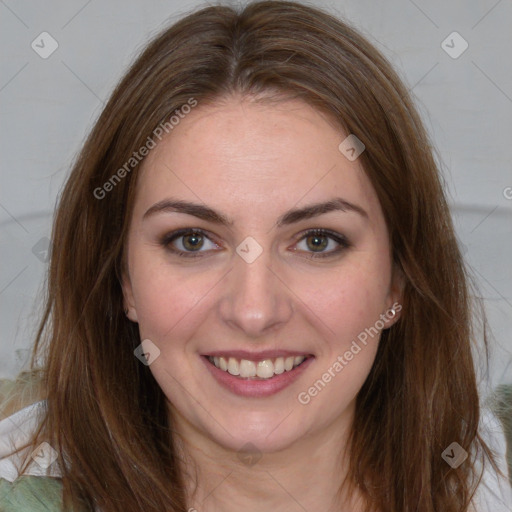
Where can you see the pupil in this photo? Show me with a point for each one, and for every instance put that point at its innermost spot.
(316, 244)
(194, 244)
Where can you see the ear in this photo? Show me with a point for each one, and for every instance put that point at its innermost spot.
(128, 300)
(394, 299)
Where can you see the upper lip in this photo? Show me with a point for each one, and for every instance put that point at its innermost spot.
(256, 356)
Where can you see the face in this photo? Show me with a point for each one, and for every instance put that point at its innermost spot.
(229, 265)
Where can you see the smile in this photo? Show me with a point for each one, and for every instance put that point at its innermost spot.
(265, 369)
(256, 376)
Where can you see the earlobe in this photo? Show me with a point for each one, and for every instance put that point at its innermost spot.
(129, 304)
(393, 312)
(131, 314)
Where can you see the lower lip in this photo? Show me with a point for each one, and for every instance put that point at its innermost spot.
(254, 387)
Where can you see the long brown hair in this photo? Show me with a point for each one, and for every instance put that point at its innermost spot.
(105, 411)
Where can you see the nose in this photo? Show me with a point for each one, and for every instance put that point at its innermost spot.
(255, 298)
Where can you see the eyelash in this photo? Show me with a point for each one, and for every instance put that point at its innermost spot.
(167, 240)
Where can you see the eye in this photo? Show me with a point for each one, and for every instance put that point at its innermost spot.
(318, 240)
(188, 242)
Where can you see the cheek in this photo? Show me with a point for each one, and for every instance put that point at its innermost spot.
(347, 300)
(165, 295)
(348, 344)
(341, 301)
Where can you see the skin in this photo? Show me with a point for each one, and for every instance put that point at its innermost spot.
(252, 162)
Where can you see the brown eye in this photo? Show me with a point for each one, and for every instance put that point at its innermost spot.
(316, 242)
(193, 241)
(188, 243)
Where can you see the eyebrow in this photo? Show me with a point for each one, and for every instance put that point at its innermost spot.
(290, 217)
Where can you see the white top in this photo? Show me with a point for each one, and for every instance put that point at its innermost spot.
(493, 494)
(15, 431)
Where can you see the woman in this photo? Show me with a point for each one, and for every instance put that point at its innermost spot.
(256, 298)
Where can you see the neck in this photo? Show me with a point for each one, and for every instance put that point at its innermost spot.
(305, 475)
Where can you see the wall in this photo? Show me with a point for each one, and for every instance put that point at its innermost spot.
(47, 106)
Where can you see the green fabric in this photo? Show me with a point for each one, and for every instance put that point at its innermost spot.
(44, 494)
(31, 494)
(502, 407)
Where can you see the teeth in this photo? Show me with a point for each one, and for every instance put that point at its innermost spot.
(279, 365)
(247, 368)
(233, 366)
(265, 369)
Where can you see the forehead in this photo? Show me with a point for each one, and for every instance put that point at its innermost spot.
(239, 154)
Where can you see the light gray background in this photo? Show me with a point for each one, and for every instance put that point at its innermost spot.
(47, 106)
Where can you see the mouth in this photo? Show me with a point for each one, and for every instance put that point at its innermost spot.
(256, 376)
(262, 369)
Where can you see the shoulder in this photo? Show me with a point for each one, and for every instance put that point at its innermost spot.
(39, 487)
(30, 476)
(22, 408)
(494, 492)
(16, 431)
(37, 494)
